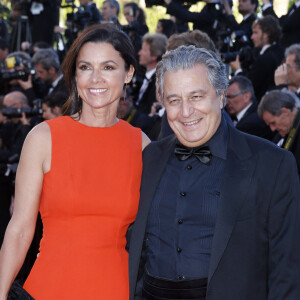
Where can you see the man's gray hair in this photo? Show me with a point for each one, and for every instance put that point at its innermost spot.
(274, 101)
(186, 57)
(294, 49)
(47, 58)
(244, 84)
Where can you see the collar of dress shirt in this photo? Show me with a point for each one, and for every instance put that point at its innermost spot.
(242, 112)
(264, 48)
(55, 82)
(149, 74)
(246, 17)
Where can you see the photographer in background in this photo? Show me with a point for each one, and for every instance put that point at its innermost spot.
(247, 9)
(47, 65)
(207, 20)
(266, 35)
(136, 27)
(90, 11)
(290, 22)
(15, 129)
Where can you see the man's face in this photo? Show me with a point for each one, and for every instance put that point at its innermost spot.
(292, 72)
(107, 11)
(192, 105)
(145, 56)
(246, 7)
(235, 100)
(46, 76)
(3, 53)
(258, 37)
(282, 123)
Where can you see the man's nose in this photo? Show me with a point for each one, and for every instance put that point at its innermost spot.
(186, 108)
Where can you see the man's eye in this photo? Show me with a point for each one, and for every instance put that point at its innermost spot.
(196, 98)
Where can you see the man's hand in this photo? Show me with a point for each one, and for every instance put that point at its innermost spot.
(235, 65)
(280, 75)
(25, 84)
(266, 2)
(226, 7)
(24, 120)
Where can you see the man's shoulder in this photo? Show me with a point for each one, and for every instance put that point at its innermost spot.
(255, 145)
(156, 147)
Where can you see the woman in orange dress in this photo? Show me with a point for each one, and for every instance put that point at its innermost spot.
(82, 172)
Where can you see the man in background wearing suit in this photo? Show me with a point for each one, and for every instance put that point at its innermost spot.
(290, 22)
(219, 210)
(153, 47)
(241, 105)
(266, 35)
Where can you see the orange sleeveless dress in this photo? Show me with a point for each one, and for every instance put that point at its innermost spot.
(89, 198)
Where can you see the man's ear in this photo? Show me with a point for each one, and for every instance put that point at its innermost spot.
(129, 74)
(52, 70)
(285, 111)
(222, 99)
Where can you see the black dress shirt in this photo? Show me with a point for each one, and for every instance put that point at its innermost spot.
(183, 214)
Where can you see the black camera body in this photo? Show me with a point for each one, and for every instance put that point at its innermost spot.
(16, 112)
(237, 43)
(14, 68)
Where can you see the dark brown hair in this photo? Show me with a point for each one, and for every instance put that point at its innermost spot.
(105, 33)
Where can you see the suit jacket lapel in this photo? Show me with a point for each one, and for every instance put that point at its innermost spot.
(238, 171)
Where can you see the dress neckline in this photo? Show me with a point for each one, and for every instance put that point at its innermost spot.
(91, 127)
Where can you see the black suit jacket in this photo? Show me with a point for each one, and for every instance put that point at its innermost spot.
(251, 123)
(262, 70)
(255, 250)
(290, 26)
(245, 25)
(203, 20)
(149, 97)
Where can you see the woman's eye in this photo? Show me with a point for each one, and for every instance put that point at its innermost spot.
(108, 68)
(83, 67)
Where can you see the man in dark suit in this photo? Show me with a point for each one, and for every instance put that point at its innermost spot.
(219, 209)
(266, 35)
(247, 9)
(153, 48)
(290, 22)
(287, 75)
(47, 65)
(242, 107)
(207, 20)
(280, 111)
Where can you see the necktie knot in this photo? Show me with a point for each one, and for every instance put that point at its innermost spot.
(202, 153)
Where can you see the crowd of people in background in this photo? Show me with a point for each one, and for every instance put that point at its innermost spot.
(262, 56)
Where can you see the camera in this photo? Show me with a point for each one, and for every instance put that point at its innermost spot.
(16, 112)
(15, 68)
(237, 43)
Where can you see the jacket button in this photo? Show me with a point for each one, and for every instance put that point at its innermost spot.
(179, 250)
(189, 167)
(182, 194)
(180, 221)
